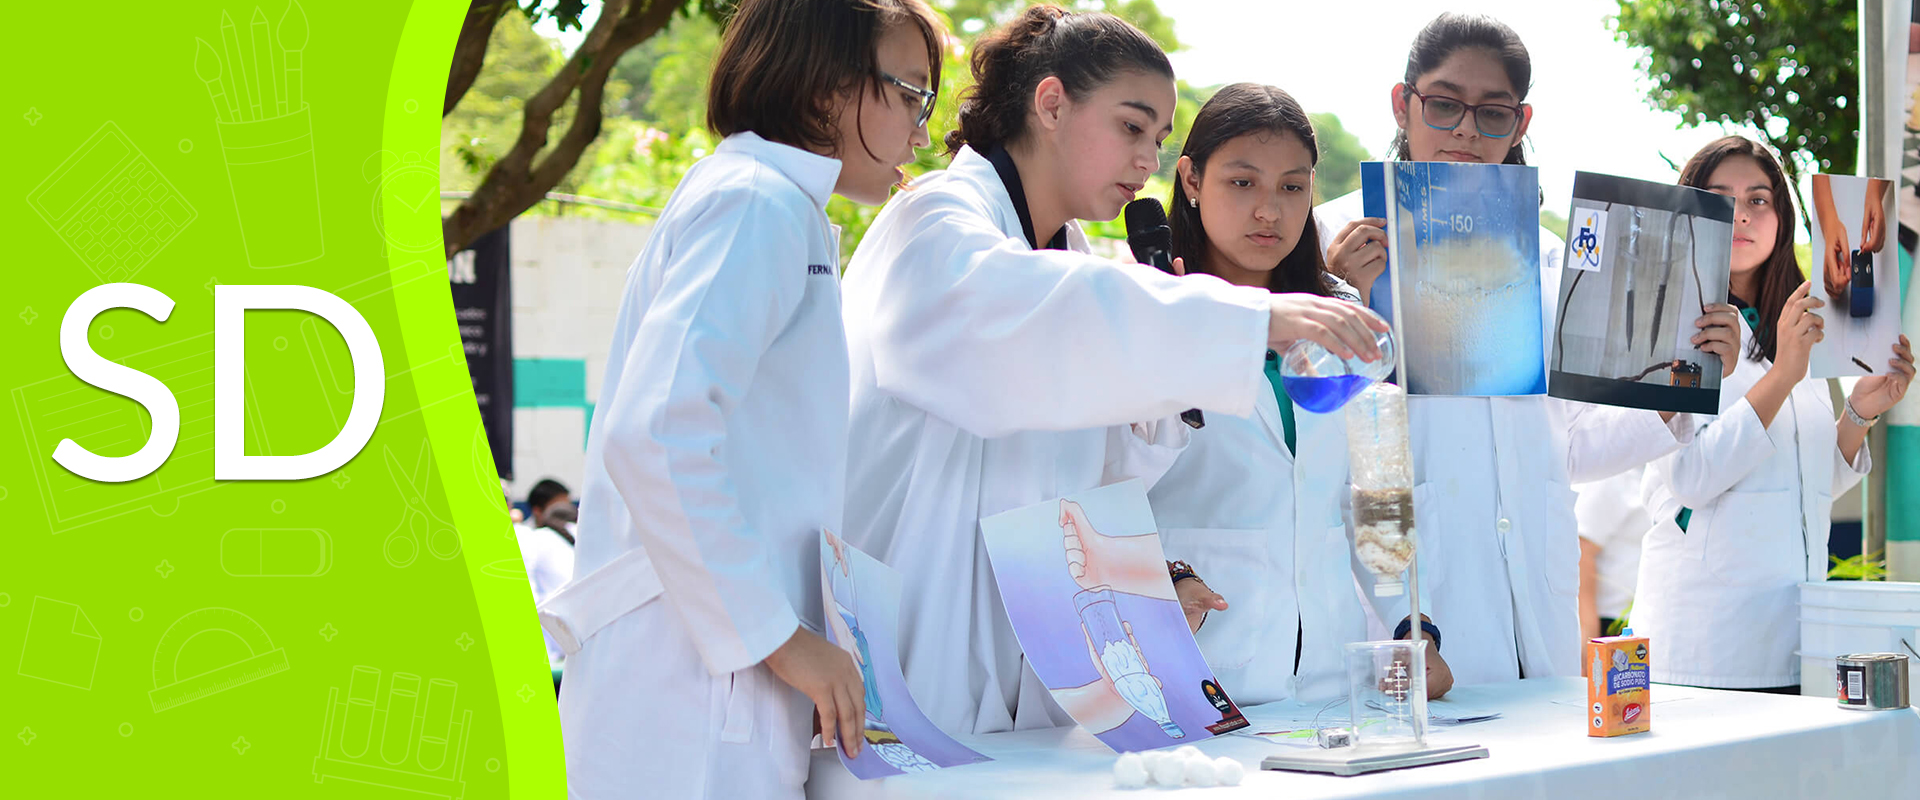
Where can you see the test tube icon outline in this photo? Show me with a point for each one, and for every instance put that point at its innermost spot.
(428, 736)
(356, 732)
(437, 724)
(403, 699)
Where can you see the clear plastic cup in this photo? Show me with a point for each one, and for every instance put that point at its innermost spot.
(1388, 683)
(1322, 382)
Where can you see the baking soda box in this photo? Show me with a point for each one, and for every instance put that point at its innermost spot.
(1618, 702)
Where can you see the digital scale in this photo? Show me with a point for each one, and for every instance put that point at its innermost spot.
(1349, 761)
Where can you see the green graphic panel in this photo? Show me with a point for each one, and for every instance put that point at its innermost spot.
(368, 632)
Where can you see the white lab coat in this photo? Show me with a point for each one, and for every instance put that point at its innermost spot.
(549, 561)
(1613, 516)
(1721, 600)
(1264, 528)
(987, 377)
(1499, 549)
(716, 456)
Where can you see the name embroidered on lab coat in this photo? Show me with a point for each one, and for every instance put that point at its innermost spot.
(819, 269)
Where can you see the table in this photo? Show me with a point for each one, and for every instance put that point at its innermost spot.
(1704, 744)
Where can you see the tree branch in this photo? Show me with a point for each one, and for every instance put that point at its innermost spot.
(515, 183)
(470, 52)
(637, 27)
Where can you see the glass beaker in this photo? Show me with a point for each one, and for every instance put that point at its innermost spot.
(1388, 698)
(1320, 381)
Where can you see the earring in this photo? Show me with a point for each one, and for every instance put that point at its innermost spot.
(1193, 201)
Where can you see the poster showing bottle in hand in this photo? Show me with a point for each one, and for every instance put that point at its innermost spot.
(1855, 271)
(255, 79)
(1085, 585)
(862, 599)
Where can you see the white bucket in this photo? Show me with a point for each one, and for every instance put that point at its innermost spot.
(1843, 617)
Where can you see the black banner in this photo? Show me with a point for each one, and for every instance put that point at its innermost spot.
(483, 308)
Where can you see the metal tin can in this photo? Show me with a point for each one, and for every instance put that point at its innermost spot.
(1872, 681)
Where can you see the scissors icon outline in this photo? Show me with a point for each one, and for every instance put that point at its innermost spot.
(419, 521)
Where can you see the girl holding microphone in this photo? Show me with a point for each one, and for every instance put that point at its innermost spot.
(718, 446)
(1500, 559)
(996, 363)
(1743, 511)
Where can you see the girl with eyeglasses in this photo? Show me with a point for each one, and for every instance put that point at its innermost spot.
(718, 447)
(997, 363)
(1493, 498)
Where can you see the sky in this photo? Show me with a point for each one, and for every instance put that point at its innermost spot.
(1589, 97)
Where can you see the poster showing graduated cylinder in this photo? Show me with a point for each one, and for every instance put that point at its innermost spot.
(1085, 585)
(862, 599)
(1463, 274)
(1643, 260)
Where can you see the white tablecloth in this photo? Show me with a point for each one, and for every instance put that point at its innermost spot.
(1704, 744)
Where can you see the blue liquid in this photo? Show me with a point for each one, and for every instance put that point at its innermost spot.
(1321, 395)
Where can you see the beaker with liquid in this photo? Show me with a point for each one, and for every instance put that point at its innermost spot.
(1381, 473)
(1321, 382)
(1388, 699)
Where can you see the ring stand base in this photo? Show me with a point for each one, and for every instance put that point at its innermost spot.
(1349, 761)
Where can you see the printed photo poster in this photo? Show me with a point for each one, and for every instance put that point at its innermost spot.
(1643, 259)
(1856, 271)
(1085, 584)
(862, 602)
(1464, 274)
(1901, 139)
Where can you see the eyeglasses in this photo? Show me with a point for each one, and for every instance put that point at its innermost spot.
(1494, 120)
(926, 98)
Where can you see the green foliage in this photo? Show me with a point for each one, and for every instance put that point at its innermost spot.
(1864, 567)
(1338, 172)
(485, 123)
(656, 105)
(1553, 221)
(970, 18)
(1786, 68)
(1620, 623)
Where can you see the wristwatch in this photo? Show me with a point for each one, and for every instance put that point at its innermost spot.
(1854, 416)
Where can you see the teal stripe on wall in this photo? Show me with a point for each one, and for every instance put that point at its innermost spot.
(1903, 482)
(1902, 459)
(549, 383)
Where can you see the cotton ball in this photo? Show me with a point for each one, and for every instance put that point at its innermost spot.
(1130, 771)
(1166, 770)
(1231, 772)
(1187, 751)
(1200, 772)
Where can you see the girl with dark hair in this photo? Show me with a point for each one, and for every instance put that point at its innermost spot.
(997, 363)
(1744, 510)
(1243, 210)
(718, 447)
(1494, 475)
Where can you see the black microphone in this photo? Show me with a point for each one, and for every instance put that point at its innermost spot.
(1148, 235)
(1151, 241)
